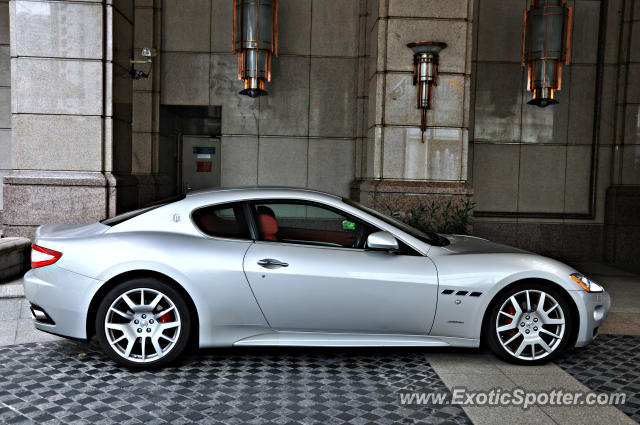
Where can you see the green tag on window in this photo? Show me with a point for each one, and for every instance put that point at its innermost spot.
(348, 225)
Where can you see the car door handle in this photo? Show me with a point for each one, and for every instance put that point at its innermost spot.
(270, 263)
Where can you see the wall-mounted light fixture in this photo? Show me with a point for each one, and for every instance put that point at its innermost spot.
(425, 75)
(546, 44)
(255, 40)
(147, 53)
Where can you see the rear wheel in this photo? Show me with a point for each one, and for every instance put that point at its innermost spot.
(143, 323)
(529, 325)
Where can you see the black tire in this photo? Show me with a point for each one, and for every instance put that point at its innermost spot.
(183, 314)
(490, 332)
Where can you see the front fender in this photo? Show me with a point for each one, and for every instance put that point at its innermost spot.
(487, 274)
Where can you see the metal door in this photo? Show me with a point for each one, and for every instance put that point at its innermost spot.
(200, 162)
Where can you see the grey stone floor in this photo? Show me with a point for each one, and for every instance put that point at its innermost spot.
(71, 382)
(609, 364)
(481, 371)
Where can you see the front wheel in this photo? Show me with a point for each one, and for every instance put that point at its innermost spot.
(143, 323)
(529, 325)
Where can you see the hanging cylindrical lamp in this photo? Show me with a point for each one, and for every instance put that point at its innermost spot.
(546, 45)
(255, 40)
(425, 75)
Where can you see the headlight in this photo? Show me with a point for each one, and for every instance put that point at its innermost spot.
(586, 283)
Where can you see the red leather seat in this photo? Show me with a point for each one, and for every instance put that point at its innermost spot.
(268, 227)
(214, 225)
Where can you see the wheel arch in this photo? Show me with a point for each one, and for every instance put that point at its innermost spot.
(141, 274)
(573, 308)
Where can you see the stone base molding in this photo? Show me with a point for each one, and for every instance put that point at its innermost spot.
(33, 198)
(407, 193)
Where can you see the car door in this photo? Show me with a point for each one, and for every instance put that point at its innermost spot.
(309, 272)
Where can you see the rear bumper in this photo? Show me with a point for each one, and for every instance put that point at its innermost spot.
(64, 296)
(593, 308)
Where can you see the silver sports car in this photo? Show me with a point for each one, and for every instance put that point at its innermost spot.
(296, 267)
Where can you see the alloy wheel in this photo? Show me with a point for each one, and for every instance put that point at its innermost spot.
(142, 325)
(530, 324)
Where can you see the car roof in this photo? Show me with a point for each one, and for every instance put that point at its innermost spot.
(256, 190)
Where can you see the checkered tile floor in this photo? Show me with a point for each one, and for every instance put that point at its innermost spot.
(73, 382)
(609, 364)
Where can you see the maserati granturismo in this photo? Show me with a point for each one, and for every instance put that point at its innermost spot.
(297, 267)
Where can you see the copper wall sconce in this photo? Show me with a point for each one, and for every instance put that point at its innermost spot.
(255, 41)
(425, 75)
(546, 45)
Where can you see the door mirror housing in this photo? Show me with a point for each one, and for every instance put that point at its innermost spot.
(382, 241)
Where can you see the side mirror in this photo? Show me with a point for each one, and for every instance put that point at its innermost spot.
(382, 241)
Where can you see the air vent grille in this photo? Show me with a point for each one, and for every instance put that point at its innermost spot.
(461, 293)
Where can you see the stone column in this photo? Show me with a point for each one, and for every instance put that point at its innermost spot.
(5, 97)
(71, 111)
(623, 197)
(393, 162)
(152, 183)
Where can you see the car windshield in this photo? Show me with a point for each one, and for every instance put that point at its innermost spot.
(431, 238)
(120, 218)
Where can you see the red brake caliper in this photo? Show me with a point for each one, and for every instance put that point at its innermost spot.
(164, 318)
(511, 310)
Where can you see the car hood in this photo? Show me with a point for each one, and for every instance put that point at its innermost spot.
(460, 244)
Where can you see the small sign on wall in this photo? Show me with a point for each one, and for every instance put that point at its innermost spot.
(203, 166)
(203, 152)
(200, 162)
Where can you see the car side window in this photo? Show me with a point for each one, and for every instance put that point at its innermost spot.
(224, 221)
(310, 224)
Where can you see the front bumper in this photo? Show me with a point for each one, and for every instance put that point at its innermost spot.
(593, 308)
(64, 296)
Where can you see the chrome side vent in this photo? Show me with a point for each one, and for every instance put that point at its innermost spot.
(461, 293)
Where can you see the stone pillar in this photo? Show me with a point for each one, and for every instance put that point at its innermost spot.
(392, 160)
(71, 111)
(5, 97)
(623, 197)
(152, 184)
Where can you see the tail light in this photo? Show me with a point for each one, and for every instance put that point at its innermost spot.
(41, 256)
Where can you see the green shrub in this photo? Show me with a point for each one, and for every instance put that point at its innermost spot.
(449, 219)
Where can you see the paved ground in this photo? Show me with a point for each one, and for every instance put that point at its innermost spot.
(73, 382)
(478, 371)
(44, 379)
(608, 365)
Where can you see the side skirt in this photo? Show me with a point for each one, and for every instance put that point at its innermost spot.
(313, 339)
